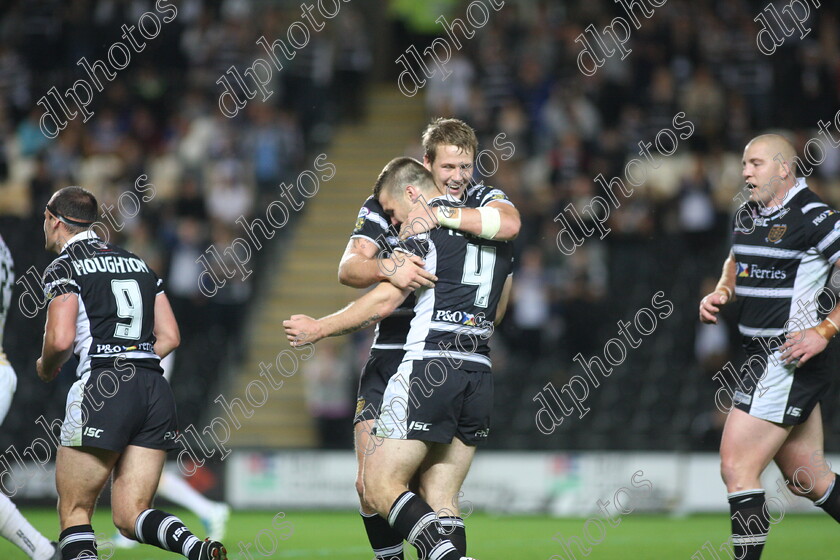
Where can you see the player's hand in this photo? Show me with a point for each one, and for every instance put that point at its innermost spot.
(421, 218)
(301, 329)
(801, 346)
(45, 377)
(710, 306)
(409, 273)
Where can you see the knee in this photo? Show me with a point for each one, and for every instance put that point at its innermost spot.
(375, 494)
(360, 486)
(807, 483)
(124, 523)
(735, 475)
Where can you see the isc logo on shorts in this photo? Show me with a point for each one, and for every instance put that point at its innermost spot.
(93, 432)
(794, 411)
(419, 426)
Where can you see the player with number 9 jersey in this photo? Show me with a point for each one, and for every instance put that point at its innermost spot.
(114, 340)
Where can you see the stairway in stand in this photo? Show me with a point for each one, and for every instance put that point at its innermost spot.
(306, 280)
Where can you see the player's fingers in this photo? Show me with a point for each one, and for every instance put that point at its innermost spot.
(707, 317)
(427, 275)
(417, 260)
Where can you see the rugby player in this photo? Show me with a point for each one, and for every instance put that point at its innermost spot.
(438, 429)
(13, 525)
(172, 486)
(785, 242)
(450, 147)
(107, 307)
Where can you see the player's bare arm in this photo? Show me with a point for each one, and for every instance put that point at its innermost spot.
(59, 334)
(503, 301)
(364, 312)
(167, 334)
(360, 268)
(711, 304)
(497, 220)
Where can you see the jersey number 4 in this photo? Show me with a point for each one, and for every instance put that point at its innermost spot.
(479, 265)
(129, 306)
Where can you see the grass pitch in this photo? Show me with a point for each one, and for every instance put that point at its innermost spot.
(340, 536)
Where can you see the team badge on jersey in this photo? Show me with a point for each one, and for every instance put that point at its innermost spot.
(360, 406)
(360, 221)
(776, 232)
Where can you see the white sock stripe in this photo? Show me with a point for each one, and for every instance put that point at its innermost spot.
(440, 550)
(388, 552)
(746, 493)
(163, 529)
(138, 524)
(367, 515)
(397, 507)
(188, 545)
(421, 524)
(744, 540)
(822, 500)
(76, 537)
(451, 522)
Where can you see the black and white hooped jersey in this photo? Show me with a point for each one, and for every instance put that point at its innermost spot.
(116, 292)
(373, 224)
(7, 282)
(783, 257)
(454, 320)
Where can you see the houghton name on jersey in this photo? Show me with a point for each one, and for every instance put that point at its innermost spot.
(783, 257)
(116, 292)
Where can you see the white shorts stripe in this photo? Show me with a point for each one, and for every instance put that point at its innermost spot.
(74, 420)
(770, 398)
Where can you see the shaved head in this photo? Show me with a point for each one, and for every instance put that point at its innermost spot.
(769, 167)
(774, 145)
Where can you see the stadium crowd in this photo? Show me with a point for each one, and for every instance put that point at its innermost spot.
(517, 76)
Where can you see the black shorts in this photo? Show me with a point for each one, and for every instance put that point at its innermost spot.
(430, 401)
(380, 366)
(113, 407)
(784, 394)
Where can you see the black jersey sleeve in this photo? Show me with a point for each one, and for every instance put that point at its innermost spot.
(372, 223)
(59, 278)
(482, 195)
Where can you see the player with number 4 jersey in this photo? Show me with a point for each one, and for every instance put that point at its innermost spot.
(437, 405)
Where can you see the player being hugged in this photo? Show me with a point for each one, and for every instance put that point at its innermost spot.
(108, 308)
(373, 255)
(436, 407)
(785, 242)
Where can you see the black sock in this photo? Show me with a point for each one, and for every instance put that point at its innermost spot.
(176, 537)
(416, 521)
(386, 542)
(77, 543)
(830, 502)
(750, 525)
(453, 529)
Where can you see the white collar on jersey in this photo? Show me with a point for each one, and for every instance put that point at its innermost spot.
(799, 186)
(87, 234)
